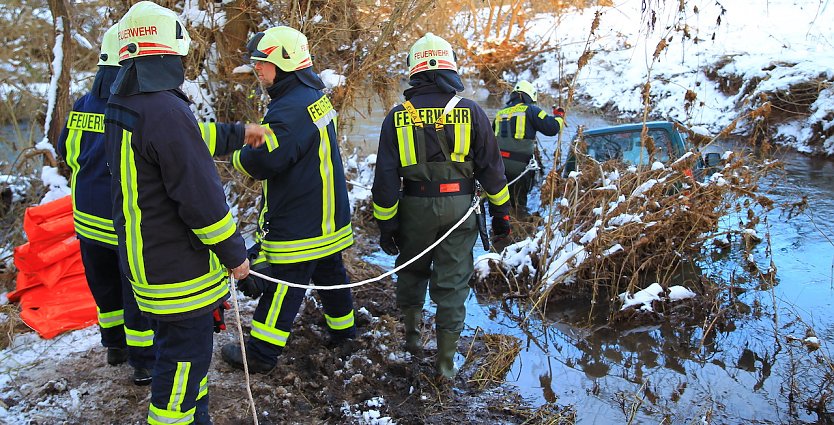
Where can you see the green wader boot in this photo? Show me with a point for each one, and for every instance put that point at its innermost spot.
(413, 321)
(447, 345)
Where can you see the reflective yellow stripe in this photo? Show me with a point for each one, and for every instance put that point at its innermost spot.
(131, 211)
(91, 220)
(499, 198)
(271, 139)
(339, 323)
(109, 238)
(405, 145)
(218, 232)
(157, 416)
(136, 338)
(267, 331)
(110, 319)
(328, 189)
(73, 145)
(542, 114)
(194, 302)
(203, 388)
(260, 259)
(270, 335)
(179, 386)
(382, 213)
(520, 124)
(265, 206)
(208, 130)
(236, 163)
(462, 142)
(561, 122)
(311, 254)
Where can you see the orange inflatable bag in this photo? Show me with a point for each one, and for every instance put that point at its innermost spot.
(51, 286)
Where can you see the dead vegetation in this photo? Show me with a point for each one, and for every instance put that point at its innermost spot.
(615, 229)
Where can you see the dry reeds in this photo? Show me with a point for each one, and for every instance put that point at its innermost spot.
(501, 353)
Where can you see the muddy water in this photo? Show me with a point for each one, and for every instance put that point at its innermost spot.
(747, 371)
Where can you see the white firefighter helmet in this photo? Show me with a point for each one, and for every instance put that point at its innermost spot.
(282, 46)
(429, 53)
(149, 29)
(524, 86)
(110, 47)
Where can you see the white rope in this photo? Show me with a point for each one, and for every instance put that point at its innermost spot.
(357, 184)
(243, 351)
(531, 166)
(475, 205)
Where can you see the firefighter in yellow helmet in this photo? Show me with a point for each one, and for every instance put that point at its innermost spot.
(177, 239)
(125, 333)
(435, 145)
(305, 214)
(515, 128)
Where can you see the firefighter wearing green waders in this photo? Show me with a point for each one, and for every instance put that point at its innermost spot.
(434, 146)
(515, 128)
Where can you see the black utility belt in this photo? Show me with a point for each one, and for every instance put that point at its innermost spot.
(516, 156)
(439, 188)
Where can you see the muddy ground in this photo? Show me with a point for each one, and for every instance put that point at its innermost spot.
(377, 383)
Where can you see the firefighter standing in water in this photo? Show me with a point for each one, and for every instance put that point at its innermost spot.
(124, 331)
(175, 231)
(305, 214)
(515, 128)
(435, 145)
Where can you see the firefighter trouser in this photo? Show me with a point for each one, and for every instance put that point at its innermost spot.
(279, 304)
(179, 390)
(446, 270)
(119, 318)
(520, 189)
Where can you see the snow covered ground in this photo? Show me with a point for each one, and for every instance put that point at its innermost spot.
(727, 53)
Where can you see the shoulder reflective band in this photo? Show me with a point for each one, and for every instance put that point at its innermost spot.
(86, 121)
(322, 112)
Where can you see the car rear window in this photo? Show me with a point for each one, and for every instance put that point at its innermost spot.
(626, 147)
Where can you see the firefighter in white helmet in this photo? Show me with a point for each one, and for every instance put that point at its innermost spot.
(435, 145)
(305, 212)
(177, 239)
(515, 128)
(125, 333)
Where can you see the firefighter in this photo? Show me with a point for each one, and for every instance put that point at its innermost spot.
(435, 145)
(125, 333)
(175, 231)
(305, 215)
(515, 128)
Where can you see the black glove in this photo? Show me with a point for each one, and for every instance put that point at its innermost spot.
(558, 112)
(501, 226)
(251, 286)
(388, 244)
(387, 230)
(219, 315)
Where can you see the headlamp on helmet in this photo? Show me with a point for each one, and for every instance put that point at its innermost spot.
(282, 46)
(429, 53)
(524, 86)
(148, 29)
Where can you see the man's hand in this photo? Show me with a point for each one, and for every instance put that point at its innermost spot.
(241, 271)
(501, 226)
(255, 135)
(251, 287)
(558, 112)
(388, 244)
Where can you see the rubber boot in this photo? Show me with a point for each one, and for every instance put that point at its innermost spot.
(447, 345)
(413, 321)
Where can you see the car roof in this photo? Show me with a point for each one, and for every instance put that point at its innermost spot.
(666, 125)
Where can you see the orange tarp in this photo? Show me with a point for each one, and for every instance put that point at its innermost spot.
(51, 286)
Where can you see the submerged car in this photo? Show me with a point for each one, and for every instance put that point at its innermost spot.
(622, 142)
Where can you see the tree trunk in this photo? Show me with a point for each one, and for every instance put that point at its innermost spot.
(59, 89)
